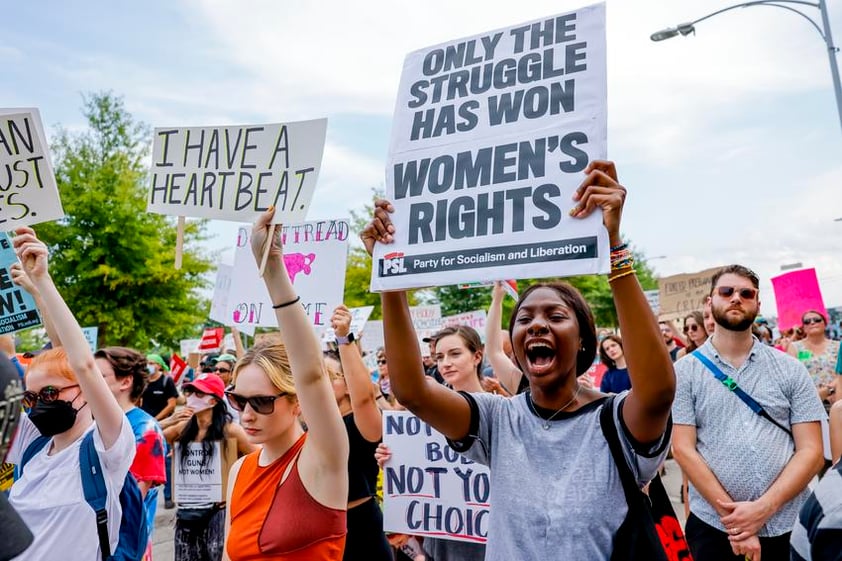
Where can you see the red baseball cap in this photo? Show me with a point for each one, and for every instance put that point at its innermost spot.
(208, 383)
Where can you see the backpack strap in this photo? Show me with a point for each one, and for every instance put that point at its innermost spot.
(95, 491)
(609, 431)
(34, 447)
(729, 383)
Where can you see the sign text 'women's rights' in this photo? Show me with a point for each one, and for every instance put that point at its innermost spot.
(315, 254)
(237, 172)
(28, 191)
(428, 489)
(490, 137)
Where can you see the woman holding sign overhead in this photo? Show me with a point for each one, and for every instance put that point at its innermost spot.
(288, 501)
(556, 491)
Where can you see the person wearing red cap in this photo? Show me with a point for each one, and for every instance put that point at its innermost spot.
(200, 526)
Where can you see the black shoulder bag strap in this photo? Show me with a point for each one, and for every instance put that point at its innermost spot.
(729, 383)
(637, 538)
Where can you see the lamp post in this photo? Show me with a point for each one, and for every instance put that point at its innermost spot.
(685, 29)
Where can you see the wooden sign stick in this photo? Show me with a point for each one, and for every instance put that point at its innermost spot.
(266, 248)
(179, 242)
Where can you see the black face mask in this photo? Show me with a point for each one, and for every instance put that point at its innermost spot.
(53, 418)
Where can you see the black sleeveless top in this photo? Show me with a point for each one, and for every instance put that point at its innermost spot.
(362, 467)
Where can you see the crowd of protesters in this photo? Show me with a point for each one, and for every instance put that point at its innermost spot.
(299, 429)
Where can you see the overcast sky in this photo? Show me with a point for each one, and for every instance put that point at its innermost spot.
(728, 141)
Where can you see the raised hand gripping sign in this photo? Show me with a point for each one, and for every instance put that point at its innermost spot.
(237, 172)
(490, 137)
(28, 190)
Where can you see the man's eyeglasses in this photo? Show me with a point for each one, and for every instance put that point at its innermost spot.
(745, 293)
(222, 370)
(260, 404)
(691, 327)
(381, 361)
(47, 394)
(811, 321)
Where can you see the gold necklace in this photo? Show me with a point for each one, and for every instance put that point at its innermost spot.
(546, 424)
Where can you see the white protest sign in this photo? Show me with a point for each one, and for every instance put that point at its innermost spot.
(221, 288)
(358, 318)
(372, 338)
(426, 320)
(26, 171)
(189, 346)
(314, 253)
(476, 319)
(489, 140)
(198, 479)
(428, 489)
(91, 334)
(237, 172)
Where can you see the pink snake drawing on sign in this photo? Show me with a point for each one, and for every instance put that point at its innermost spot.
(298, 263)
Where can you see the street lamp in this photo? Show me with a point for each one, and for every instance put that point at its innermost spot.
(685, 29)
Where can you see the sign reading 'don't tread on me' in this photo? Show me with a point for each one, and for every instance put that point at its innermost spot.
(490, 137)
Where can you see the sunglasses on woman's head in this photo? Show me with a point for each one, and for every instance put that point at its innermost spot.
(260, 404)
(47, 394)
(810, 321)
(745, 293)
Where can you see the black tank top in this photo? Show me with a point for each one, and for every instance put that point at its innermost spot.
(362, 467)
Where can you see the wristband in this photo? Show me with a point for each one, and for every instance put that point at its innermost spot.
(285, 304)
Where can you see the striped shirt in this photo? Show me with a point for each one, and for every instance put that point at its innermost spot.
(744, 451)
(817, 535)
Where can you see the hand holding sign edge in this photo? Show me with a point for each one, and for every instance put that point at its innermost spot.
(380, 228)
(32, 253)
(601, 188)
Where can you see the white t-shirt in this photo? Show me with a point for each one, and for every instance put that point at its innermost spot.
(50, 500)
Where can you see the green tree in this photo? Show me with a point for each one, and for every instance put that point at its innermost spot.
(112, 260)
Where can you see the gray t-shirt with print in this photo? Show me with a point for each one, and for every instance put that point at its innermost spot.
(744, 451)
(555, 493)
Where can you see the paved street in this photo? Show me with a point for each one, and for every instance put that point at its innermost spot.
(165, 519)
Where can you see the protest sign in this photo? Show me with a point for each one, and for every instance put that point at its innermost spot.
(426, 320)
(91, 334)
(679, 295)
(30, 193)
(372, 339)
(489, 139)
(211, 339)
(202, 477)
(653, 299)
(188, 346)
(358, 318)
(795, 293)
(221, 289)
(476, 319)
(237, 172)
(178, 366)
(17, 307)
(428, 489)
(314, 253)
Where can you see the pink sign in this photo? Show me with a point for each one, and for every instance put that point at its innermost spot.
(795, 293)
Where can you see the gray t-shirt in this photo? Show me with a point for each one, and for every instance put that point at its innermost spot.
(556, 493)
(744, 451)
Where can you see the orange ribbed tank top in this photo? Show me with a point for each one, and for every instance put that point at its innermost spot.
(275, 522)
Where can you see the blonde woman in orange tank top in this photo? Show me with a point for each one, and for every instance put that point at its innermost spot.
(287, 502)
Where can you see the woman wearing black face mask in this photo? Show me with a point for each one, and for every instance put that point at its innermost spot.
(65, 393)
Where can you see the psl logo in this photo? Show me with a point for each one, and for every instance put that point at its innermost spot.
(393, 264)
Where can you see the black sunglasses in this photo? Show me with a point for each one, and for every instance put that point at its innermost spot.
(223, 370)
(381, 361)
(193, 391)
(260, 404)
(691, 327)
(745, 293)
(47, 394)
(810, 321)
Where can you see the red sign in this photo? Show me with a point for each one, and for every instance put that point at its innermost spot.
(212, 339)
(177, 367)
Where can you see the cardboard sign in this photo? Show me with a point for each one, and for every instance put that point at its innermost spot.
(372, 339)
(428, 489)
(17, 307)
(237, 172)
(204, 477)
(489, 140)
(189, 346)
(653, 299)
(314, 253)
(426, 320)
(221, 289)
(795, 293)
(26, 171)
(679, 295)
